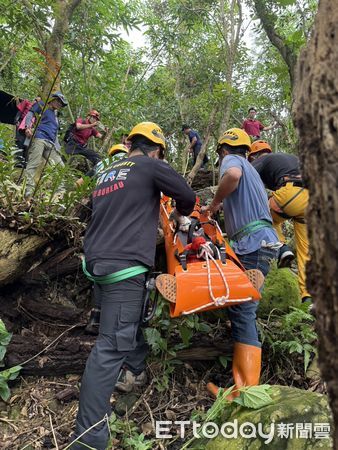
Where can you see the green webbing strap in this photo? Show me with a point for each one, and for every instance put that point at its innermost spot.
(116, 276)
(250, 228)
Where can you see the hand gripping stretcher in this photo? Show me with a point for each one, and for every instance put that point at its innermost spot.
(204, 273)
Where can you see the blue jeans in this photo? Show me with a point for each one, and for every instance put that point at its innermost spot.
(243, 316)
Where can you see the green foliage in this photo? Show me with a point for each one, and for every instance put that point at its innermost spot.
(8, 374)
(10, 189)
(166, 336)
(289, 334)
(5, 338)
(186, 333)
(190, 66)
(50, 207)
(254, 397)
(163, 327)
(126, 432)
(5, 376)
(224, 360)
(251, 397)
(286, 2)
(139, 442)
(155, 340)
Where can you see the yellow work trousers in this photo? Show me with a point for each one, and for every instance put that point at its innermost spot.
(292, 201)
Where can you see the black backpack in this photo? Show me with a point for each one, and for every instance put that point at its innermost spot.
(69, 133)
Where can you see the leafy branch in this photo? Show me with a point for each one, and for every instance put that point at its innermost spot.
(8, 374)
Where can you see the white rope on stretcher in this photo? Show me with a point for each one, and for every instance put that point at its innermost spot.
(223, 299)
(219, 301)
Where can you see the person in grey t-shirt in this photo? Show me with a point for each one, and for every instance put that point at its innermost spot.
(248, 224)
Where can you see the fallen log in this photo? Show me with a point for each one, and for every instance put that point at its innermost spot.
(17, 252)
(22, 309)
(62, 264)
(66, 355)
(206, 352)
(69, 354)
(64, 314)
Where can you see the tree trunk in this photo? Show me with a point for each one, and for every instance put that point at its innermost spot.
(315, 114)
(183, 146)
(107, 140)
(33, 259)
(63, 12)
(230, 32)
(201, 154)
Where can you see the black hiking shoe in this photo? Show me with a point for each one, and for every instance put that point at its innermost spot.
(286, 256)
(20, 165)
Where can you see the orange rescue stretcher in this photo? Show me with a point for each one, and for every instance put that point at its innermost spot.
(204, 273)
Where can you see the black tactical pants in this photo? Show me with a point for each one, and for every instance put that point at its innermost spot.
(196, 151)
(74, 148)
(120, 342)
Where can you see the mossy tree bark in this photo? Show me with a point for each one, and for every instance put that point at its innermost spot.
(63, 12)
(315, 113)
(16, 254)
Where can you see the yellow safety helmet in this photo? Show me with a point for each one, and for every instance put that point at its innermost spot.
(117, 148)
(259, 146)
(151, 131)
(234, 137)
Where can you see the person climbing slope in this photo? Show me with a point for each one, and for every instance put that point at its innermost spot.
(195, 144)
(119, 249)
(79, 135)
(280, 172)
(45, 143)
(248, 225)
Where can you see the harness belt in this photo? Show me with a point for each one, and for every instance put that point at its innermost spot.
(283, 214)
(296, 180)
(250, 228)
(116, 276)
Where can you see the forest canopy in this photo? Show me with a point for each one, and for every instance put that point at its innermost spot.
(199, 62)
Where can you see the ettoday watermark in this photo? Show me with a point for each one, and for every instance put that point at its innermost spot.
(246, 430)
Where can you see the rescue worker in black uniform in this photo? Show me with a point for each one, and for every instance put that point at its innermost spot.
(280, 172)
(119, 246)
